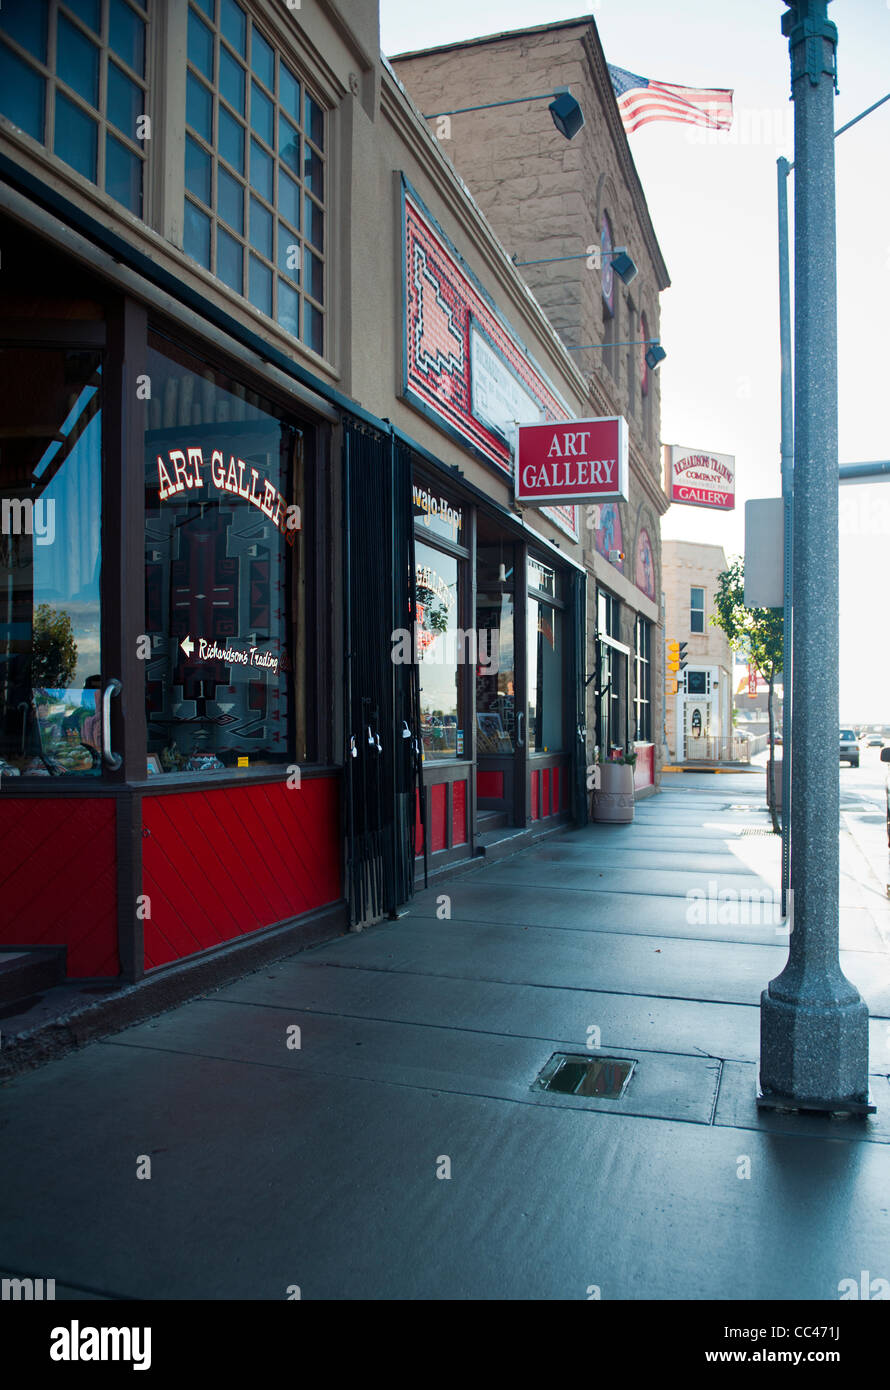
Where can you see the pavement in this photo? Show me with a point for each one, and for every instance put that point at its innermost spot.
(360, 1120)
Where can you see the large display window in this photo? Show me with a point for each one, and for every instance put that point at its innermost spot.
(224, 571)
(50, 562)
(439, 640)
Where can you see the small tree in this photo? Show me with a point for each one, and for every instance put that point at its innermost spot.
(53, 649)
(758, 635)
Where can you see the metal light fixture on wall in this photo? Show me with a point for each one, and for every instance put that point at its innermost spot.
(655, 355)
(565, 110)
(567, 114)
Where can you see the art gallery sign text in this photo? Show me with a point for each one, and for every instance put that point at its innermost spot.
(572, 461)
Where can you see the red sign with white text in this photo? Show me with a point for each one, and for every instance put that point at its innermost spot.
(572, 461)
(700, 479)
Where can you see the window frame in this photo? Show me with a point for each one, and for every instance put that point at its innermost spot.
(694, 608)
(643, 680)
(55, 85)
(309, 252)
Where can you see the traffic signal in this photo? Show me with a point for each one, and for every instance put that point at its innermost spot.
(682, 653)
(673, 656)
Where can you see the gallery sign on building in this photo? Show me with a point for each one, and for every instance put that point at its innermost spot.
(699, 478)
(574, 461)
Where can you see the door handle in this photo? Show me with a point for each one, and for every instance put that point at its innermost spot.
(520, 738)
(113, 687)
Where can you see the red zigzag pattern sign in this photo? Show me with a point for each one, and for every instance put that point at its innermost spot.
(442, 304)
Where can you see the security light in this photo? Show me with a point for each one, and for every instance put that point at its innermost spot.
(567, 115)
(655, 355)
(622, 265)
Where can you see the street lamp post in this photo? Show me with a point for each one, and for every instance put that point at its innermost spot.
(813, 1023)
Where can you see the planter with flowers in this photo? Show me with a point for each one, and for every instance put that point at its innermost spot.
(613, 796)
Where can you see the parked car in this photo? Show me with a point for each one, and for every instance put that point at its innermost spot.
(885, 758)
(849, 748)
(875, 742)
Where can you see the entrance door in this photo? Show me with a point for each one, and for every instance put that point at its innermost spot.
(501, 718)
(697, 726)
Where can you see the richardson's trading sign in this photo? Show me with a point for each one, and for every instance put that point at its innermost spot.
(700, 479)
(572, 461)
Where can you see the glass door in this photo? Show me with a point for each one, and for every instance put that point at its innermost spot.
(501, 721)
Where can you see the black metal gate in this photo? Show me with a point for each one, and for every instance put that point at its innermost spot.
(382, 711)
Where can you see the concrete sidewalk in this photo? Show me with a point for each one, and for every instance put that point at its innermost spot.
(322, 1166)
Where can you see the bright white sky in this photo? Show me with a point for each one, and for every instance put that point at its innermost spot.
(713, 203)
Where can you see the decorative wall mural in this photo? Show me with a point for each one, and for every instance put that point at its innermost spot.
(644, 572)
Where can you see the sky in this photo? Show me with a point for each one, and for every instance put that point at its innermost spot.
(712, 198)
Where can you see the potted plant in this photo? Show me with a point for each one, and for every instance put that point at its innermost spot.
(613, 796)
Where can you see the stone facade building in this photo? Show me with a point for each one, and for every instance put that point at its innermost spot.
(698, 718)
(565, 204)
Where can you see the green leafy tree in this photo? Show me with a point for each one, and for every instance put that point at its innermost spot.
(758, 635)
(53, 649)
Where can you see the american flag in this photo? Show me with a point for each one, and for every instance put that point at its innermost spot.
(643, 99)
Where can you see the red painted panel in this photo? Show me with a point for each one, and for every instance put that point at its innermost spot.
(556, 802)
(545, 798)
(459, 813)
(490, 784)
(58, 883)
(535, 812)
(219, 864)
(418, 828)
(438, 816)
(644, 767)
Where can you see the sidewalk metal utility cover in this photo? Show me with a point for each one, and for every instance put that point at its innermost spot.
(574, 1074)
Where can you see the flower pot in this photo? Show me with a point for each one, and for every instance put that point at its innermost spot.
(614, 800)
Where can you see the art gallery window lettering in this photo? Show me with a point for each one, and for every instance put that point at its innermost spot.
(223, 572)
(50, 562)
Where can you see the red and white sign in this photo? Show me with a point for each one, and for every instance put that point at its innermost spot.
(572, 461)
(700, 479)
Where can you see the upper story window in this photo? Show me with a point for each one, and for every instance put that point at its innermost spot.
(73, 76)
(254, 170)
(696, 610)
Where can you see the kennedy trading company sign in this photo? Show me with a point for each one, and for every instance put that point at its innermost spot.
(700, 479)
(572, 461)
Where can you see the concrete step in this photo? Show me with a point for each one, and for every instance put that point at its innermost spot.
(26, 971)
(490, 820)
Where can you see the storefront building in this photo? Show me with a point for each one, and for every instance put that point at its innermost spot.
(274, 639)
(561, 218)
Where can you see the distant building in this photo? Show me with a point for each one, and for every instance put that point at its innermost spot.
(698, 720)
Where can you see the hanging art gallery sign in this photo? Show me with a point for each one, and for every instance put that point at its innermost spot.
(699, 479)
(572, 461)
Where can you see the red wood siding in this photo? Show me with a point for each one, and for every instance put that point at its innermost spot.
(545, 798)
(58, 884)
(459, 813)
(438, 817)
(535, 812)
(490, 784)
(556, 802)
(219, 864)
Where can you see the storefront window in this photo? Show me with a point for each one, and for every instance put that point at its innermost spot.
(643, 680)
(224, 572)
(545, 656)
(50, 562)
(439, 640)
(496, 676)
